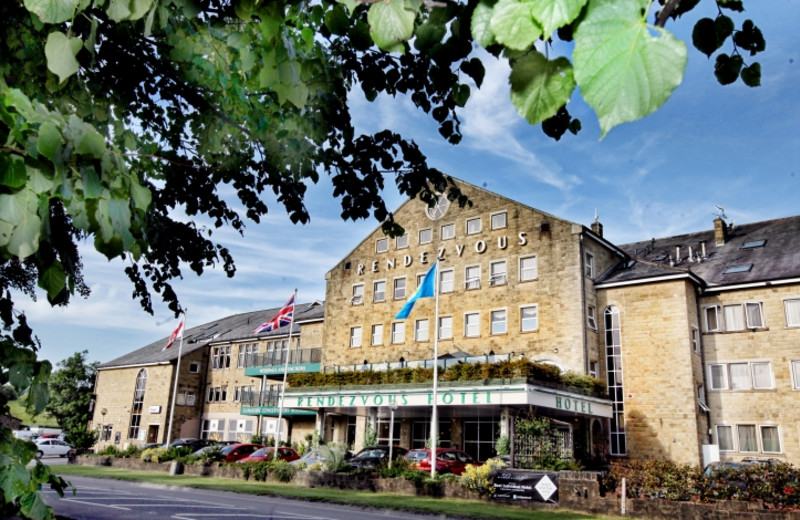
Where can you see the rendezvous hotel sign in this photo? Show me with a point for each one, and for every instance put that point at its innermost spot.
(521, 394)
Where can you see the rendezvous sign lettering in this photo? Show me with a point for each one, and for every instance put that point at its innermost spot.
(535, 486)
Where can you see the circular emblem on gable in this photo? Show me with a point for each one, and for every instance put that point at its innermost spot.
(438, 210)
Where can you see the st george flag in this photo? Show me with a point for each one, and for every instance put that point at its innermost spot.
(178, 332)
(284, 317)
(425, 290)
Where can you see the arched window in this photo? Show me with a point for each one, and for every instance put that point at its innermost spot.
(613, 334)
(138, 404)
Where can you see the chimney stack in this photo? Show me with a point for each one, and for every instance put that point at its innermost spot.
(597, 227)
(720, 231)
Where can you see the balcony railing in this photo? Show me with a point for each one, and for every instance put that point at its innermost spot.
(278, 357)
(424, 363)
(268, 398)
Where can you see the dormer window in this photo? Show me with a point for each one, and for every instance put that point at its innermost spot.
(753, 244)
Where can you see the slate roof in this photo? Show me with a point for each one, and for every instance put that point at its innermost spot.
(232, 328)
(778, 258)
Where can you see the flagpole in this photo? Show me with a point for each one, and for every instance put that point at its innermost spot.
(283, 385)
(175, 385)
(434, 418)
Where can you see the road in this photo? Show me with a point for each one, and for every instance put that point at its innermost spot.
(105, 499)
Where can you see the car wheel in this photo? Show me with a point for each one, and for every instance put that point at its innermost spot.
(40, 454)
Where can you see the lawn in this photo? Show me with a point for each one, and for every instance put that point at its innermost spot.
(43, 419)
(436, 506)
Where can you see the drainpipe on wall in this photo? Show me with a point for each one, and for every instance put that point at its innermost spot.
(702, 348)
(583, 309)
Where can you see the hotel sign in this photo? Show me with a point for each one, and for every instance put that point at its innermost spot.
(523, 394)
(272, 370)
(273, 411)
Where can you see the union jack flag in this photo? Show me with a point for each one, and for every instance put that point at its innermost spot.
(284, 317)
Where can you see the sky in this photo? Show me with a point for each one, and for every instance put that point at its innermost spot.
(732, 146)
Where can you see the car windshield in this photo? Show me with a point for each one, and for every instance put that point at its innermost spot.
(227, 449)
(372, 453)
(417, 455)
(259, 453)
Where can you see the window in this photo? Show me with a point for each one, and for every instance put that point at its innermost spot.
(446, 327)
(425, 236)
(446, 281)
(448, 231)
(399, 288)
(755, 375)
(185, 398)
(498, 320)
(474, 226)
(472, 277)
(379, 290)
(792, 308)
(472, 325)
(420, 279)
(398, 332)
(734, 319)
(220, 357)
(355, 337)
(217, 394)
(747, 437)
(593, 368)
(421, 330)
(591, 317)
(497, 272)
(770, 439)
(401, 242)
(138, 404)
(753, 244)
(738, 269)
(754, 315)
(382, 245)
(528, 269)
(529, 318)
(725, 437)
(588, 266)
(695, 340)
(711, 314)
(795, 367)
(718, 376)
(194, 367)
(247, 355)
(499, 220)
(377, 334)
(613, 342)
(358, 294)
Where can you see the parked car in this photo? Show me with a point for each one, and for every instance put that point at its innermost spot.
(52, 448)
(235, 452)
(374, 456)
(314, 456)
(268, 453)
(448, 460)
(194, 444)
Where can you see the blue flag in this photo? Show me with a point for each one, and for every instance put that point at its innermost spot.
(425, 290)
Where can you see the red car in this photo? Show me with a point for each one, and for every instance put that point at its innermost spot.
(235, 452)
(448, 460)
(268, 453)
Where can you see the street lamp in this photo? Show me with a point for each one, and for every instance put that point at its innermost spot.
(392, 408)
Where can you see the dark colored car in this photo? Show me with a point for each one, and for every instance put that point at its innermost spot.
(194, 444)
(235, 452)
(268, 453)
(375, 456)
(448, 460)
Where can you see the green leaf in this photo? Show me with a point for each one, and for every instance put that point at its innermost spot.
(481, 24)
(750, 38)
(32, 504)
(50, 140)
(14, 482)
(19, 211)
(350, 4)
(52, 11)
(140, 8)
(540, 87)
(60, 52)
(337, 21)
(53, 280)
(12, 171)
(513, 24)
(91, 143)
(704, 36)
(552, 14)
(392, 23)
(751, 76)
(141, 195)
(475, 70)
(118, 10)
(625, 72)
(723, 26)
(427, 35)
(727, 68)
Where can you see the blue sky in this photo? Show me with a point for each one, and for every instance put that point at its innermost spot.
(708, 145)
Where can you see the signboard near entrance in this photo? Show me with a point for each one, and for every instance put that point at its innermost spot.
(536, 486)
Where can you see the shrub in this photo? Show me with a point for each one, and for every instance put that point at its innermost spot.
(111, 451)
(479, 478)
(283, 471)
(155, 455)
(503, 445)
(334, 456)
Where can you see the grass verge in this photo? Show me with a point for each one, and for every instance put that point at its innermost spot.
(436, 506)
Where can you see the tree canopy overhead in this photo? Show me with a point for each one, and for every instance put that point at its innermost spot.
(116, 113)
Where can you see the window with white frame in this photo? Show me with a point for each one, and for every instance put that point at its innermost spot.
(401, 242)
(448, 231)
(725, 437)
(529, 318)
(712, 318)
(795, 368)
(420, 279)
(499, 322)
(446, 280)
(421, 330)
(792, 308)
(593, 368)
(246, 355)
(734, 318)
(588, 265)
(472, 324)
(770, 439)
(220, 357)
(382, 245)
(355, 337)
(745, 375)
(528, 269)
(400, 288)
(217, 394)
(377, 334)
(398, 332)
(499, 220)
(749, 438)
(358, 294)
(472, 277)
(497, 272)
(474, 226)
(425, 236)
(446, 327)
(695, 340)
(379, 290)
(754, 315)
(591, 317)
(748, 442)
